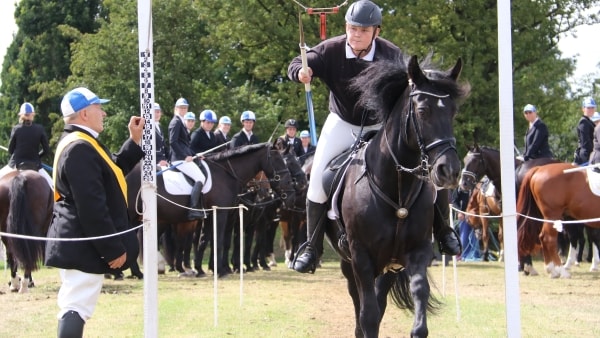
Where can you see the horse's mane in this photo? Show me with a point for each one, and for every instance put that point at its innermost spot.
(382, 82)
(235, 152)
(481, 148)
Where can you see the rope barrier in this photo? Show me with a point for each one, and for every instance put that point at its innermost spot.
(37, 238)
(558, 224)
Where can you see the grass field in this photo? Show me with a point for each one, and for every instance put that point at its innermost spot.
(283, 303)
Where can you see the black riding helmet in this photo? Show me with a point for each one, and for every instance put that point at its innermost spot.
(291, 123)
(364, 13)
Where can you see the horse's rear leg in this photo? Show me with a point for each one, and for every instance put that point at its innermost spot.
(528, 269)
(26, 283)
(15, 280)
(548, 239)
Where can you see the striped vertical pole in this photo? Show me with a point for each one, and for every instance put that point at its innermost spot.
(148, 170)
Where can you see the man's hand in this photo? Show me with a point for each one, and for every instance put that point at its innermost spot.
(304, 77)
(118, 262)
(136, 128)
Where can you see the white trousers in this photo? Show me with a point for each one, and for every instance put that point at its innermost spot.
(79, 292)
(190, 169)
(336, 136)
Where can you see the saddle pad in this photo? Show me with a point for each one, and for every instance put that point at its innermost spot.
(594, 181)
(176, 183)
(489, 189)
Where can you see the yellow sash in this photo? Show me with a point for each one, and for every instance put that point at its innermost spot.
(77, 135)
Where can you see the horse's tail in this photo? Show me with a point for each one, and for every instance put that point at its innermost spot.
(402, 297)
(29, 253)
(528, 229)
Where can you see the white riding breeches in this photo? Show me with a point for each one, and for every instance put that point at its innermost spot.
(191, 170)
(336, 136)
(79, 292)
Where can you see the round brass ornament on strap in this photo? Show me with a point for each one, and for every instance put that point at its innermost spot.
(402, 213)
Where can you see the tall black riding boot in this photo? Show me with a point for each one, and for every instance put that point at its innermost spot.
(307, 255)
(446, 236)
(70, 325)
(196, 206)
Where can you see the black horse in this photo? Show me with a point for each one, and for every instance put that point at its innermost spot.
(26, 202)
(230, 171)
(388, 193)
(293, 220)
(264, 207)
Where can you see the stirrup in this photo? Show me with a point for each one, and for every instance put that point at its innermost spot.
(343, 248)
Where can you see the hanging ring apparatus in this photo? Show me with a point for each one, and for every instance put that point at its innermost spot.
(322, 12)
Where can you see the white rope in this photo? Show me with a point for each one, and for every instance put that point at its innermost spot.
(6, 234)
(558, 224)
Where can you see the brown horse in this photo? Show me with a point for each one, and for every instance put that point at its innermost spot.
(482, 160)
(550, 194)
(26, 202)
(479, 209)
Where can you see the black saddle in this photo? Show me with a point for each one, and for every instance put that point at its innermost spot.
(29, 166)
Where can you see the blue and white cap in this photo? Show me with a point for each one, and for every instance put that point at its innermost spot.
(595, 117)
(225, 120)
(26, 109)
(189, 116)
(588, 102)
(181, 102)
(78, 99)
(208, 115)
(156, 106)
(530, 108)
(304, 133)
(248, 115)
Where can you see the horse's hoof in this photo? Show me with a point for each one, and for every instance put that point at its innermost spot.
(266, 268)
(200, 273)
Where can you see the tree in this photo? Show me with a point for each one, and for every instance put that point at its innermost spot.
(37, 62)
(231, 56)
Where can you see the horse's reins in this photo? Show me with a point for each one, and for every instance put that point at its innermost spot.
(400, 207)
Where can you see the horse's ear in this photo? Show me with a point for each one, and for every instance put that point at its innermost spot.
(415, 74)
(455, 71)
(279, 144)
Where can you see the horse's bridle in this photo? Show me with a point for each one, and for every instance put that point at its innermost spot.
(471, 174)
(276, 179)
(423, 167)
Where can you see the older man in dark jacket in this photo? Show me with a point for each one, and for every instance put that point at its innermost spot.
(90, 196)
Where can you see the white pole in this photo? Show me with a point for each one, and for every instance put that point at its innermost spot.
(511, 275)
(241, 213)
(215, 268)
(148, 171)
